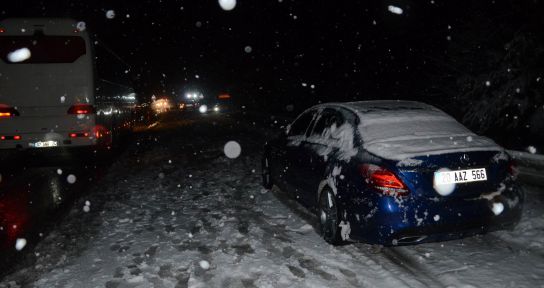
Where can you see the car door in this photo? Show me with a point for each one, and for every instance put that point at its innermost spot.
(316, 152)
(289, 169)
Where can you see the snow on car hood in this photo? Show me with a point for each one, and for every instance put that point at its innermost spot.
(402, 134)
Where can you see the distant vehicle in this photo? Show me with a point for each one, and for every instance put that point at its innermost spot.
(393, 173)
(189, 106)
(224, 103)
(191, 102)
(53, 93)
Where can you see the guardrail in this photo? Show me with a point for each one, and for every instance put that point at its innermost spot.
(531, 166)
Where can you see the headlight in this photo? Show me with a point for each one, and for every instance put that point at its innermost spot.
(216, 108)
(203, 109)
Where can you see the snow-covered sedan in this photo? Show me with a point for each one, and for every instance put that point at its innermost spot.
(393, 173)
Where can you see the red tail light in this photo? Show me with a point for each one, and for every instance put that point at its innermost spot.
(7, 112)
(81, 109)
(81, 134)
(15, 137)
(383, 180)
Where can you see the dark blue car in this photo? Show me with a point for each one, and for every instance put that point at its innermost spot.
(393, 173)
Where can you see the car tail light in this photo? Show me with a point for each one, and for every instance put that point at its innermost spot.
(7, 112)
(81, 109)
(383, 180)
(79, 134)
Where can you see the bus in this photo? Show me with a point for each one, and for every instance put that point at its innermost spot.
(59, 88)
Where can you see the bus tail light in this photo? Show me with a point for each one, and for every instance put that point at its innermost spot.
(81, 109)
(10, 137)
(7, 112)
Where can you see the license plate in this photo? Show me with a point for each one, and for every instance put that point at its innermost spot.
(42, 144)
(459, 176)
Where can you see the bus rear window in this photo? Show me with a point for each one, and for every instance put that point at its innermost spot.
(43, 49)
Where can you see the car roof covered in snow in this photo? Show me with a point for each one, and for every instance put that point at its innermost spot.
(398, 129)
(370, 106)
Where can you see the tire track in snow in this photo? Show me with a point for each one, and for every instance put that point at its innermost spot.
(363, 259)
(404, 261)
(377, 267)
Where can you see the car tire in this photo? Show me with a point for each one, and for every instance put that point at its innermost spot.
(328, 217)
(266, 173)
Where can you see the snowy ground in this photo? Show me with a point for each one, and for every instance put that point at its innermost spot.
(173, 211)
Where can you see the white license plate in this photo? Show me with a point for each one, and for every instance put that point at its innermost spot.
(459, 176)
(41, 144)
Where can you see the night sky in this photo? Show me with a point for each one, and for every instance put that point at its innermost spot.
(276, 53)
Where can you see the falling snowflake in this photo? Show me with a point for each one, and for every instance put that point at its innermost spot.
(204, 264)
(20, 244)
(248, 49)
(232, 149)
(81, 26)
(497, 208)
(71, 178)
(227, 5)
(395, 9)
(19, 55)
(110, 14)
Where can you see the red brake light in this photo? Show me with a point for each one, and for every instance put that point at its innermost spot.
(15, 137)
(81, 134)
(81, 109)
(383, 180)
(2, 30)
(6, 112)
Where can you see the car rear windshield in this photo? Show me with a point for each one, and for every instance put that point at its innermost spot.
(43, 49)
(393, 125)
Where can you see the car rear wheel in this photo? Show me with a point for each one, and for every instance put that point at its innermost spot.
(266, 174)
(328, 218)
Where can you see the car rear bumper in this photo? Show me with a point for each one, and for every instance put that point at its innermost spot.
(394, 222)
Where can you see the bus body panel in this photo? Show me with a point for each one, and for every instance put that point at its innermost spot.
(59, 73)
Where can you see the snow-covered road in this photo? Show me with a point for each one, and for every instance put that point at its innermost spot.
(173, 211)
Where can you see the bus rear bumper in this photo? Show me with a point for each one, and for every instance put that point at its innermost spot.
(46, 140)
